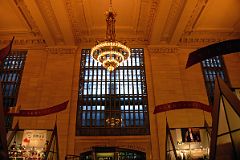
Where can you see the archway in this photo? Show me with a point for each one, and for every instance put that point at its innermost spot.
(112, 153)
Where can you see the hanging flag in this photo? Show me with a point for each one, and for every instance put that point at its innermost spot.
(38, 112)
(182, 105)
(5, 51)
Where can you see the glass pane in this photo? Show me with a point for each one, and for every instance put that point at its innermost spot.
(212, 67)
(11, 72)
(119, 93)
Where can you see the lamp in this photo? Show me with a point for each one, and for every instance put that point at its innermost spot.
(110, 53)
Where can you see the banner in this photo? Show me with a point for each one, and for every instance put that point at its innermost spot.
(182, 105)
(38, 112)
(34, 138)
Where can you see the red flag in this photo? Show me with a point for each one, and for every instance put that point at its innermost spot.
(5, 51)
(40, 112)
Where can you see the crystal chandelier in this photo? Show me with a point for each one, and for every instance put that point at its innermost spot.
(110, 53)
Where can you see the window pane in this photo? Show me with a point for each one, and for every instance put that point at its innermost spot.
(211, 68)
(11, 73)
(115, 98)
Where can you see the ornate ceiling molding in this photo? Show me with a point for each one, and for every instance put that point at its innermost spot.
(79, 27)
(30, 43)
(151, 18)
(202, 38)
(28, 18)
(129, 40)
(155, 50)
(197, 38)
(47, 12)
(172, 19)
(61, 50)
(195, 16)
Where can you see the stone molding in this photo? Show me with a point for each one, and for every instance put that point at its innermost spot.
(61, 50)
(151, 18)
(47, 12)
(155, 50)
(30, 43)
(28, 17)
(198, 38)
(79, 33)
(195, 16)
(175, 13)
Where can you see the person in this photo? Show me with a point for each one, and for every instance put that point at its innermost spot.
(192, 136)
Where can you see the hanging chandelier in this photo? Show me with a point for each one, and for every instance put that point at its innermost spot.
(110, 53)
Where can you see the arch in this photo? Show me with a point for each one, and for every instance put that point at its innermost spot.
(216, 49)
(114, 153)
(182, 105)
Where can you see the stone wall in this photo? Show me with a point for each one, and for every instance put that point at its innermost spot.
(51, 76)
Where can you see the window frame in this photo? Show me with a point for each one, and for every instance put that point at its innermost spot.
(209, 84)
(11, 75)
(116, 101)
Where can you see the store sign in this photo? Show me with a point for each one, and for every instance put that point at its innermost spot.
(34, 138)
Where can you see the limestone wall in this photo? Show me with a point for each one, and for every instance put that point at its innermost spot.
(51, 77)
(47, 81)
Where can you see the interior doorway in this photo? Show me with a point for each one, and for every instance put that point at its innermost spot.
(112, 153)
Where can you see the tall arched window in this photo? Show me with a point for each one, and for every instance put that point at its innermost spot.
(11, 74)
(112, 103)
(211, 68)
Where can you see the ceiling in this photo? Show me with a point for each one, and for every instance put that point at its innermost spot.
(142, 22)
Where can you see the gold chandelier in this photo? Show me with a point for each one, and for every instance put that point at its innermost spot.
(110, 53)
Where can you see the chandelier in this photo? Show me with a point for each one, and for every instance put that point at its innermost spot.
(110, 53)
(114, 122)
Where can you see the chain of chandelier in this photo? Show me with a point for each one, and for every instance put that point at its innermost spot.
(110, 53)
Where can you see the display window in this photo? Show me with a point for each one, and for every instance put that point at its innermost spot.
(189, 143)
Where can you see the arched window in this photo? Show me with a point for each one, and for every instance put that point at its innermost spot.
(211, 68)
(112, 103)
(11, 74)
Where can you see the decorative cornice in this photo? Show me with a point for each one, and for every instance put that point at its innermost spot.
(201, 38)
(30, 43)
(129, 40)
(155, 50)
(28, 17)
(172, 19)
(46, 10)
(61, 50)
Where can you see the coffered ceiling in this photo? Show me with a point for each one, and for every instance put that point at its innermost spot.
(143, 22)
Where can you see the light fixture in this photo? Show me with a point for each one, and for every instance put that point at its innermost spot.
(110, 53)
(114, 122)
